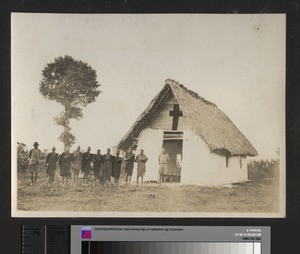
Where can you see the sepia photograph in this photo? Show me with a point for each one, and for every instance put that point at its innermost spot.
(148, 115)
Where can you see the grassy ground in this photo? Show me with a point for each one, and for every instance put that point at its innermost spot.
(251, 196)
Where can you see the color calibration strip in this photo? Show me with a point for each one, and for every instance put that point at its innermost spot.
(96, 247)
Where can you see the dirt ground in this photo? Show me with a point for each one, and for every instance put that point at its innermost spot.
(251, 196)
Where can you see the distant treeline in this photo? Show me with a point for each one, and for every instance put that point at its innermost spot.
(263, 169)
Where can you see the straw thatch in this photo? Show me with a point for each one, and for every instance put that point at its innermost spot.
(205, 118)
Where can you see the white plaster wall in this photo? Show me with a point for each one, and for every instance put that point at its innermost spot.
(234, 173)
(201, 166)
(151, 141)
(194, 160)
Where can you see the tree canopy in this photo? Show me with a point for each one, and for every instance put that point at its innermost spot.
(74, 85)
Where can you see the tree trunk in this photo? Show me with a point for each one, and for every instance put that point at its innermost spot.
(65, 142)
(66, 127)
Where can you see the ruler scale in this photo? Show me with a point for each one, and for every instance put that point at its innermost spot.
(33, 239)
(45, 239)
(57, 239)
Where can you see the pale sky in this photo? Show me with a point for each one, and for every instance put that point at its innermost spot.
(236, 61)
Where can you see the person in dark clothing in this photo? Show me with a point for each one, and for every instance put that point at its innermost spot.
(129, 159)
(64, 161)
(87, 159)
(141, 160)
(51, 161)
(108, 163)
(117, 167)
(77, 163)
(97, 161)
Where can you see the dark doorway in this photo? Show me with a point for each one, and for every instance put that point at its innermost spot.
(174, 148)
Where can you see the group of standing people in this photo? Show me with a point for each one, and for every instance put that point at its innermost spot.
(104, 167)
(141, 160)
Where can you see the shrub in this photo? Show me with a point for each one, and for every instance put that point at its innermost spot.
(264, 169)
(22, 157)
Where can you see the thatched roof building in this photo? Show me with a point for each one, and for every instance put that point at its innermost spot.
(206, 119)
(203, 144)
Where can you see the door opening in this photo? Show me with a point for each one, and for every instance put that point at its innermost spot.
(173, 147)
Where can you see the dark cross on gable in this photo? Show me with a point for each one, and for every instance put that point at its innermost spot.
(176, 113)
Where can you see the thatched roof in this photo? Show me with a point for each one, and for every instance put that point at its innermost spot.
(206, 119)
